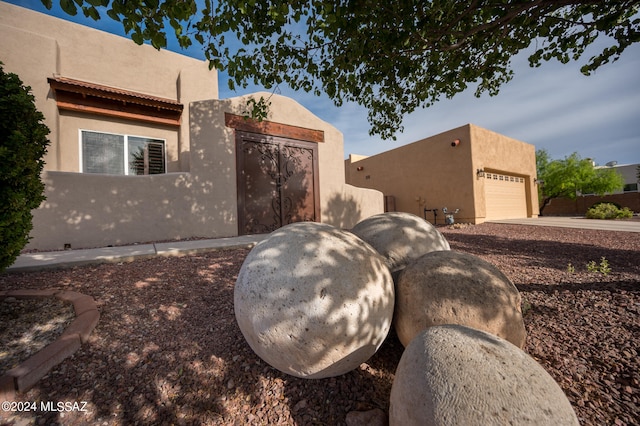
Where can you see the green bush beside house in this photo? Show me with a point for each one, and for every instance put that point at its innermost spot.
(23, 144)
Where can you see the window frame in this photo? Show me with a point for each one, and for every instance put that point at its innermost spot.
(126, 162)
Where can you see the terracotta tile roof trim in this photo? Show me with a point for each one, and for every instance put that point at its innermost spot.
(101, 91)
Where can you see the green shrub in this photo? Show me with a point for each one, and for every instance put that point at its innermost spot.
(608, 211)
(23, 144)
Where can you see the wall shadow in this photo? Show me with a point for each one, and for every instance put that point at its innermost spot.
(343, 211)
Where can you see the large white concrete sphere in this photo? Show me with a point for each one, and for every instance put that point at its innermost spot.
(314, 301)
(456, 375)
(400, 237)
(449, 287)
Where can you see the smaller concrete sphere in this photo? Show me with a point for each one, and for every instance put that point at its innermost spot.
(314, 301)
(400, 237)
(449, 287)
(456, 375)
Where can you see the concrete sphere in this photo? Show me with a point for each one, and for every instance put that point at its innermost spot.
(455, 375)
(400, 237)
(314, 301)
(449, 287)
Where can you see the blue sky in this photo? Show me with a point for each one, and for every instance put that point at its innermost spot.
(553, 107)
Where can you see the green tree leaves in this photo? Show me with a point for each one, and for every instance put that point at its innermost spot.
(390, 57)
(573, 176)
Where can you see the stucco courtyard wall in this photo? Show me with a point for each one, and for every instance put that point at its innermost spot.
(91, 210)
(87, 210)
(341, 205)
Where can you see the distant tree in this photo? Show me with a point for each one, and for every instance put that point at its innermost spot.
(573, 176)
(392, 57)
(23, 144)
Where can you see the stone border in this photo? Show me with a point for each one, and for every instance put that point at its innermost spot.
(24, 376)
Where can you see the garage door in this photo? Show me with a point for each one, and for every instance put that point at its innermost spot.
(505, 196)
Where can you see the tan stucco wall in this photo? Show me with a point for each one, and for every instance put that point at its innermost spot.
(429, 170)
(37, 46)
(340, 205)
(89, 210)
(434, 174)
(497, 153)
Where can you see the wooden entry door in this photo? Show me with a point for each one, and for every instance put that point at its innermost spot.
(277, 182)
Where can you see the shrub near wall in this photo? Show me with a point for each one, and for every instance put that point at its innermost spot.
(23, 144)
(608, 211)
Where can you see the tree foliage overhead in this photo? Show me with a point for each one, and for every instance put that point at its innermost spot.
(572, 176)
(390, 57)
(23, 144)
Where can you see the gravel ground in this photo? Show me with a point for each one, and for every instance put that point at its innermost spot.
(167, 349)
(28, 325)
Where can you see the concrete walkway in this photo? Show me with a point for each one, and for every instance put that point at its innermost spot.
(68, 258)
(577, 222)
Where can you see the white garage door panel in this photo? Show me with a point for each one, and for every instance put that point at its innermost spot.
(505, 196)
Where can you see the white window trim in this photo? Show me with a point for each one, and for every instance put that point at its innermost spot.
(126, 149)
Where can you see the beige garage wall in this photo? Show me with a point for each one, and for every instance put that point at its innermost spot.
(429, 173)
(432, 173)
(496, 153)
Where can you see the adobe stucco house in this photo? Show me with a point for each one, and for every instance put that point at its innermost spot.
(480, 173)
(142, 149)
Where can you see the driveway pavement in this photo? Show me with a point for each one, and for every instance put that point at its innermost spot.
(632, 225)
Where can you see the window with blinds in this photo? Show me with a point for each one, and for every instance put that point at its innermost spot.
(121, 154)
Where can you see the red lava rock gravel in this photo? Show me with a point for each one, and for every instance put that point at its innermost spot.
(167, 349)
